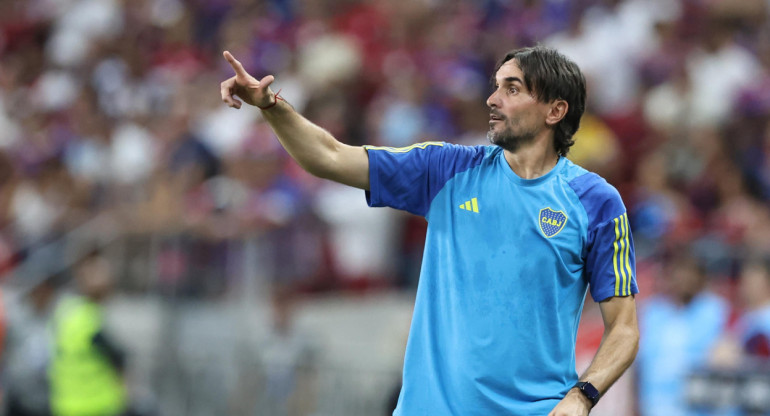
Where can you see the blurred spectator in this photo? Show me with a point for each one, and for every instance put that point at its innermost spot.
(40, 203)
(753, 328)
(281, 379)
(657, 209)
(28, 349)
(743, 354)
(718, 56)
(679, 329)
(363, 240)
(87, 366)
(596, 147)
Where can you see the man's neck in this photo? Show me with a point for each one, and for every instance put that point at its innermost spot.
(533, 160)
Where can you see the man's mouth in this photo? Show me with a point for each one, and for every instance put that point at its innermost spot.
(494, 117)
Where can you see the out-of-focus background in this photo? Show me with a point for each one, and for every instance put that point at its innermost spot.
(213, 276)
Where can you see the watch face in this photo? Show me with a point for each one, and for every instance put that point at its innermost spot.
(590, 391)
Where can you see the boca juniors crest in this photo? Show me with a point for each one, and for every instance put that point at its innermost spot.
(551, 222)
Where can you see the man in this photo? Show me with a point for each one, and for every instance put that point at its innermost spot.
(28, 348)
(516, 233)
(87, 367)
(681, 326)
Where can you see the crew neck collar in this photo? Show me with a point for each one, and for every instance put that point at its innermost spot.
(527, 182)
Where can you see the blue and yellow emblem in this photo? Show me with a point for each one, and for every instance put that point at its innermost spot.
(551, 222)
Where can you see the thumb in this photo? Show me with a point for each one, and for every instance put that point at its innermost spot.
(266, 81)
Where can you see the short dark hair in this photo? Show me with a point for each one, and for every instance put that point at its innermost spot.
(552, 76)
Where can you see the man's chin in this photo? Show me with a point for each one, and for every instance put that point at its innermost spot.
(506, 140)
(496, 138)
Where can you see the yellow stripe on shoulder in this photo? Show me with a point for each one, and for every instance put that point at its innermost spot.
(422, 145)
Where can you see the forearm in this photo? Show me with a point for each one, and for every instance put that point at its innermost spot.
(314, 149)
(616, 353)
(307, 143)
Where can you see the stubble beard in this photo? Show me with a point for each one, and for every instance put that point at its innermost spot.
(509, 140)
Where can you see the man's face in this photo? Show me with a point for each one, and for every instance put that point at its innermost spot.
(516, 117)
(685, 280)
(94, 278)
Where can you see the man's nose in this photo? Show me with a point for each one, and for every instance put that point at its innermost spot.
(492, 101)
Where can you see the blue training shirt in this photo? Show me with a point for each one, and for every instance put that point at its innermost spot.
(504, 275)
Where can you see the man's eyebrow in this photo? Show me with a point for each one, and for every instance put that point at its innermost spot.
(507, 80)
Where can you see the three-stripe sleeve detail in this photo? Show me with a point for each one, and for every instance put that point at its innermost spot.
(621, 258)
(615, 257)
(627, 286)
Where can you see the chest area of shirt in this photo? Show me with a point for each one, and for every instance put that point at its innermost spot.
(489, 209)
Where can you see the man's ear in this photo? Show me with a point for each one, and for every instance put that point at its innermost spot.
(556, 112)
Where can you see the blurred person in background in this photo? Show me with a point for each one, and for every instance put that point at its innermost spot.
(753, 328)
(28, 346)
(748, 341)
(679, 329)
(283, 382)
(87, 366)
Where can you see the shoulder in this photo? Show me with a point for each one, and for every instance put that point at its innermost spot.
(441, 154)
(429, 146)
(67, 303)
(435, 147)
(600, 199)
(471, 155)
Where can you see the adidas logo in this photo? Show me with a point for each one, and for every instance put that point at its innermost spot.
(472, 205)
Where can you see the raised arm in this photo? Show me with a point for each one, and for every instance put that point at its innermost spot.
(620, 343)
(317, 151)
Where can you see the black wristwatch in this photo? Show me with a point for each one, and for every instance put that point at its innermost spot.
(589, 391)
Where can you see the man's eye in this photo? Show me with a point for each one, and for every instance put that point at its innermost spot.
(513, 90)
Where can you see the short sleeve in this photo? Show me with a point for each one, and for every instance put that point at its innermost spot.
(610, 263)
(408, 178)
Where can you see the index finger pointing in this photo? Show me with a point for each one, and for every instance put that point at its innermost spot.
(237, 67)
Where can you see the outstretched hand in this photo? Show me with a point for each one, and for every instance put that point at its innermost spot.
(246, 87)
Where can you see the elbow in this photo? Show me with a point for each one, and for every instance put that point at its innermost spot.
(315, 166)
(635, 344)
(631, 335)
(319, 170)
(328, 164)
(315, 170)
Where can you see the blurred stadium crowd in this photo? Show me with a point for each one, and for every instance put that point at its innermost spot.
(110, 119)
